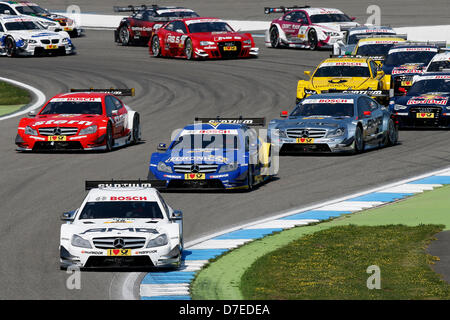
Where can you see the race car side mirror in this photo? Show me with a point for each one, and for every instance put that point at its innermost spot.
(177, 215)
(353, 18)
(32, 114)
(379, 73)
(402, 90)
(162, 147)
(367, 114)
(283, 114)
(307, 73)
(68, 216)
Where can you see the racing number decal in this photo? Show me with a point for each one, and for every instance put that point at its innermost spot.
(119, 252)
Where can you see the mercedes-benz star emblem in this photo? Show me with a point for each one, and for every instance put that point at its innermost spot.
(57, 131)
(195, 168)
(305, 134)
(119, 243)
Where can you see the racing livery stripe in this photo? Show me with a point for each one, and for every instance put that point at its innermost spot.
(175, 285)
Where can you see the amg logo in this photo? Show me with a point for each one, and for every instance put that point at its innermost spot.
(140, 230)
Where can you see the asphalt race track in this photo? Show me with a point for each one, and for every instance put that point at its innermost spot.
(37, 188)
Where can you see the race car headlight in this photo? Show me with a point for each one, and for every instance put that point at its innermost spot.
(159, 241)
(88, 130)
(399, 107)
(331, 34)
(48, 23)
(65, 40)
(78, 241)
(32, 41)
(247, 41)
(336, 133)
(278, 133)
(207, 43)
(309, 91)
(164, 167)
(30, 131)
(229, 167)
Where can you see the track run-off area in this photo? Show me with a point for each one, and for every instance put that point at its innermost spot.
(37, 188)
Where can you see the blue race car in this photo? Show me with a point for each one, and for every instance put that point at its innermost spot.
(406, 60)
(427, 103)
(333, 123)
(214, 154)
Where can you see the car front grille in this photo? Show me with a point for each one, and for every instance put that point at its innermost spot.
(64, 131)
(306, 133)
(47, 41)
(128, 242)
(230, 54)
(200, 168)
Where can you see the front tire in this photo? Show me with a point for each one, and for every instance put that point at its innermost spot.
(156, 47)
(124, 36)
(188, 49)
(312, 39)
(359, 140)
(10, 46)
(109, 138)
(391, 138)
(250, 179)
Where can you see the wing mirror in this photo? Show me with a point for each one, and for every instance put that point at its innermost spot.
(367, 114)
(307, 73)
(177, 215)
(115, 112)
(68, 216)
(32, 114)
(402, 90)
(162, 147)
(284, 114)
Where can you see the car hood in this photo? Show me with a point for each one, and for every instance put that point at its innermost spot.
(314, 122)
(343, 83)
(428, 99)
(201, 156)
(65, 120)
(38, 34)
(337, 26)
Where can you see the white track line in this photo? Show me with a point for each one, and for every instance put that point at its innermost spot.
(39, 96)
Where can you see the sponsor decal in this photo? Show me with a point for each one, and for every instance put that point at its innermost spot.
(124, 185)
(364, 43)
(443, 77)
(194, 176)
(209, 131)
(78, 99)
(208, 159)
(421, 115)
(437, 100)
(372, 31)
(343, 64)
(173, 10)
(79, 122)
(308, 101)
(413, 50)
(119, 252)
(145, 29)
(137, 230)
(188, 22)
(128, 198)
(99, 253)
(146, 252)
(305, 140)
(56, 138)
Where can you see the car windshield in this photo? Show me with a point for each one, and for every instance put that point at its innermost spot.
(22, 25)
(439, 66)
(354, 38)
(332, 17)
(403, 57)
(209, 27)
(343, 71)
(307, 109)
(31, 10)
(429, 86)
(207, 141)
(374, 49)
(73, 108)
(184, 14)
(121, 210)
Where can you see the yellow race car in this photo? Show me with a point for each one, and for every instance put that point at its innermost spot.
(359, 75)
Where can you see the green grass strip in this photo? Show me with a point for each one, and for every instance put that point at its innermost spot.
(11, 95)
(221, 279)
(10, 109)
(332, 264)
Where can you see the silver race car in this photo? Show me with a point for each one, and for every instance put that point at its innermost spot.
(333, 123)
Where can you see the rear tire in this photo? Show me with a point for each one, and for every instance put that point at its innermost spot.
(391, 135)
(136, 132)
(250, 179)
(275, 38)
(109, 138)
(124, 36)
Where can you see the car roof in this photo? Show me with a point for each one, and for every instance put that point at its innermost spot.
(441, 56)
(82, 95)
(335, 96)
(95, 193)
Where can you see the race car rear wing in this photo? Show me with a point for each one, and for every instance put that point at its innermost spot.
(116, 92)
(254, 122)
(132, 8)
(281, 9)
(101, 184)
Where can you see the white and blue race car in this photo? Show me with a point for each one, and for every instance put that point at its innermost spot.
(25, 36)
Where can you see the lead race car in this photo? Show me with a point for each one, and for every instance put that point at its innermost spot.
(214, 154)
(121, 224)
(201, 38)
(426, 104)
(333, 123)
(306, 27)
(85, 119)
(377, 47)
(138, 28)
(24, 36)
(51, 21)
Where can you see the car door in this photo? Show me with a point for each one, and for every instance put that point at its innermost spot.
(171, 37)
(113, 114)
(366, 117)
(290, 26)
(121, 115)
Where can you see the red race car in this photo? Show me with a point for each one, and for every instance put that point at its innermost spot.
(138, 28)
(201, 38)
(91, 119)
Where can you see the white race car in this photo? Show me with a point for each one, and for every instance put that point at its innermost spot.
(51, 21)
(121, 224)
(305, 27)
(23, 35)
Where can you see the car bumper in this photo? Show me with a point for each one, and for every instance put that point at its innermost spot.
(72, 143)
(324, 145)
(410, 120)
